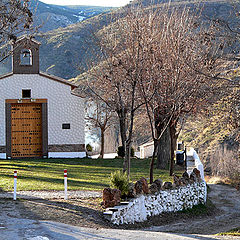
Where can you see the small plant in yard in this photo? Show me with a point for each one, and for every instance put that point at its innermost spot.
(119, 180)
(132, 152)
(89, 148)
(120, 151)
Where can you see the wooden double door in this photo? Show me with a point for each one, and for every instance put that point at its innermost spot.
(26, 130)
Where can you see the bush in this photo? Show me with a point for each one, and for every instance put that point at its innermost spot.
(225, 163)
(89, 148)
(119, 180)
(132, 152)
(120, 151)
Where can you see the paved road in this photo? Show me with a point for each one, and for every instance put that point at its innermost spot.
(22, 229)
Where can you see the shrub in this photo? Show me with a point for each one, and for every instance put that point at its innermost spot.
(120, 151)
(225, 163)
(89, 148)
(132, 152)
(119, 180)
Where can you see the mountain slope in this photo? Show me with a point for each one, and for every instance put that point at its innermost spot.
(65, 49)
(55, 16)
(71, 45)
(62, 36)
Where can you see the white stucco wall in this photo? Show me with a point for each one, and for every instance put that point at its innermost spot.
(63, 107)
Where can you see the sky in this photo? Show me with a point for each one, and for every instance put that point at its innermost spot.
(110, 3)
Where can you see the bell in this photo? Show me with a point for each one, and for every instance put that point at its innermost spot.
(26, 54)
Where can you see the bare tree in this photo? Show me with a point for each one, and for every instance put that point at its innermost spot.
(99, 116)
(125, 47)
(15, 18)
(163, 58)
(186, 81)
(227, 27)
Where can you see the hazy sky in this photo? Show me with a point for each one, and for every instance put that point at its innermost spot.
(112, 3)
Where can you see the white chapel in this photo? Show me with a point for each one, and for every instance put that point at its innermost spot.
(40, 114)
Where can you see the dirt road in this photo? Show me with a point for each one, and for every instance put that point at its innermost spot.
(227, 201)
(44, 220)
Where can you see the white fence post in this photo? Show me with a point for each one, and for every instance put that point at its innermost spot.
(198, 164)
(15, 186)
(65, 184)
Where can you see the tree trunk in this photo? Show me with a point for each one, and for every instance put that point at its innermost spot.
(164, 150)
(173, 136)
(122, 128)
(102, 144)
(152, 161)
(127, 159)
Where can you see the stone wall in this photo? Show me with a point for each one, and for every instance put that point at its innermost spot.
(164, 201)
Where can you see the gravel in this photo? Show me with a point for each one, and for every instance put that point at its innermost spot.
(30, 195)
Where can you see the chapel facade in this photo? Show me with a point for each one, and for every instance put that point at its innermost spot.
(41, 116)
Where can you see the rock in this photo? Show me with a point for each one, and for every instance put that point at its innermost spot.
(197, 172)
(176, 180)
(159, 183)
(144, 185)
(138, 187)
(111, 197)
(183, 181)
(153, 188)
(167, 185)
(185, 176)
(141, 186)
(193, 177)
(116, 196)
(131, 191)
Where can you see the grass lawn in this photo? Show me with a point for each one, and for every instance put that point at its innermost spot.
(83, 174)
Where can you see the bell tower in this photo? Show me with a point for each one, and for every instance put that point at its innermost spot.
(25, 56)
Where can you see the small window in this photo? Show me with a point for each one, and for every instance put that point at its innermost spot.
(26, 57)
(26, 93)
(66, 126)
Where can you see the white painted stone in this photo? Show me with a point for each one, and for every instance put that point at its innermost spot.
(165, 201)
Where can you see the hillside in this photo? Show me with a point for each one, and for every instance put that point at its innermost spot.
(65, 26)
(67, 47)
(54, 16)
(72, 45)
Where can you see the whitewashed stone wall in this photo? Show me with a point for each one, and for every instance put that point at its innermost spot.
(63, 107)
(165, 201)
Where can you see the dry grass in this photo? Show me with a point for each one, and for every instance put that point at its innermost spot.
(225, 163)
(217, 180)
(233, 232)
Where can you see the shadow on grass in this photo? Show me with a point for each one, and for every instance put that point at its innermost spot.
(71, 183)
(22, 167)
